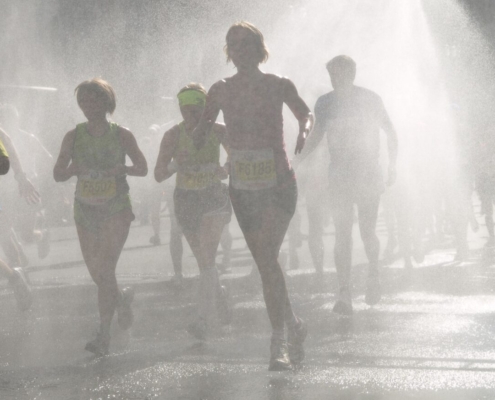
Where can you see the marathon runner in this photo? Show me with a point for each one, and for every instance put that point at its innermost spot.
(201, 202)
(263, 187)
(95, 152)
(351, 117)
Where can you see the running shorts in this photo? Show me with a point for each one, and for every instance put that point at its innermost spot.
(92, 217)
(192, 205)
(249, 205)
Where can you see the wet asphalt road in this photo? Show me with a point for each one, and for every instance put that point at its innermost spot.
(431, 337)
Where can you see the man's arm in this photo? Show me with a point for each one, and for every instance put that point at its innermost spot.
(26, 188)
(392, 146)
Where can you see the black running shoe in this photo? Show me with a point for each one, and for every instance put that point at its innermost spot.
(100, 345)
(155, 240)
(198, 329)
(224, 306)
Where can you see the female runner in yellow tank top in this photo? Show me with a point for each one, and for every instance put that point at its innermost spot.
(95, 152)
(202, 204)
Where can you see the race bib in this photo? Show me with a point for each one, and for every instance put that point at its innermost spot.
(253, 169)
(95, 189)
(196, 177)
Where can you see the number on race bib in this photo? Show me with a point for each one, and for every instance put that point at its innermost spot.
(196, 178)
(253, 169)
(95, 189)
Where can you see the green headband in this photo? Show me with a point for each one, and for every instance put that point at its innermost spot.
(191, 97)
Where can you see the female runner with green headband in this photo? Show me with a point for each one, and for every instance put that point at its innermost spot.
(202, 204)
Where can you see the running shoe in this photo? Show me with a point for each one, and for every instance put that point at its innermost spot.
(373, 291)
(155, 240)
(177, 280)
(224, 267)
(198, 329)
(279, 356)
(100, 345)
(125, 317)
(22, 290)
(224, 307)
(343, 306)
(295, 340)
(44, 244)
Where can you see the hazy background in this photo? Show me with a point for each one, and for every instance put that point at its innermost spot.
(431, 61)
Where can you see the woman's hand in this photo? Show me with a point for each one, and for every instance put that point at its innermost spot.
(301, 140)
(222, 172)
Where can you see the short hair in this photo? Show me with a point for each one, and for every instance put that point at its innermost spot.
(102, 88)
(343, 62)
(255, 33)
(193, 86)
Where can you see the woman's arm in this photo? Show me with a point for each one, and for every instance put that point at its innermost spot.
(4, 164)
(210, 114)
(223, 172)
(65, 169)
(139, 165)
(163, 169)
(300, 110)
(4, 160)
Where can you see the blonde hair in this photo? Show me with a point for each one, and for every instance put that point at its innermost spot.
(255, 33)
(102, 88)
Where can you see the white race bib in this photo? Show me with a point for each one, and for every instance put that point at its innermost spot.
(253, 169)
(95, 189)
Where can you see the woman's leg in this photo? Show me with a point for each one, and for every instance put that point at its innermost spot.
(204, 244)
(101, 251)
(264, 244)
